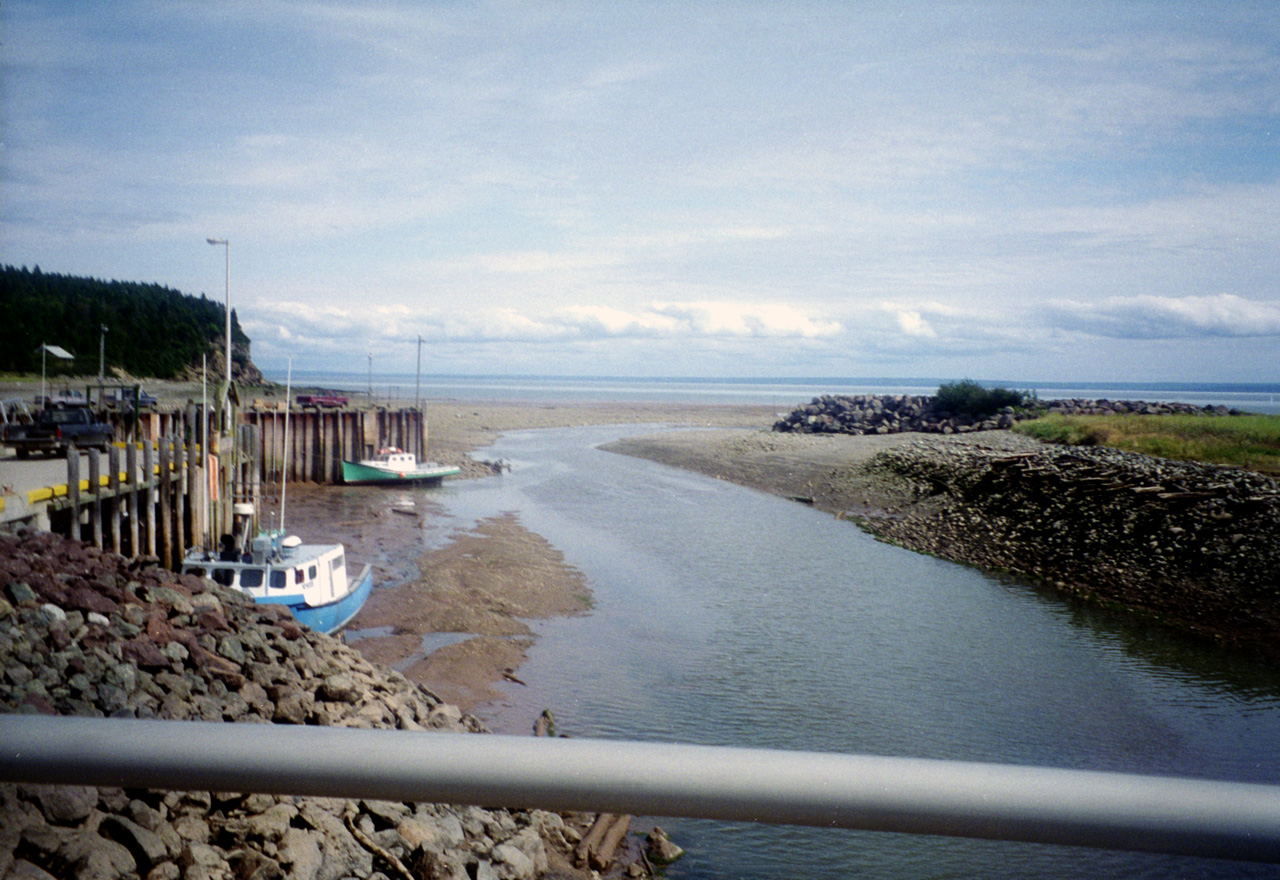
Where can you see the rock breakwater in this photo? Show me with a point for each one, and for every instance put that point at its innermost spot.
(1196, 545)
(898, 413)
(83, 632)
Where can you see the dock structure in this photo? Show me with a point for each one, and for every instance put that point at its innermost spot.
(173, 484)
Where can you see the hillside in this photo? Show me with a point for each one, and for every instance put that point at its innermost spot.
(152, 331)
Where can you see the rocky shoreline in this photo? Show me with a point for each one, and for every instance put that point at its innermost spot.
(83, 632)
(905, 413)
(1196, 546)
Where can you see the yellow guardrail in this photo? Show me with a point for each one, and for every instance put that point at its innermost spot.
(62, 490)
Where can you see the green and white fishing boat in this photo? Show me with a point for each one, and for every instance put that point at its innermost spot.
(392, 465)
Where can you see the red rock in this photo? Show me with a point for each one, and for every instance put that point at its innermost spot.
(144, 654)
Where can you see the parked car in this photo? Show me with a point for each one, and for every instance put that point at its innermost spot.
(319, 400)
(56, 429)
(65, 397)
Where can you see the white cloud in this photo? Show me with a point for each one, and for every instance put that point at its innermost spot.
(298, 322)
(1161, 317)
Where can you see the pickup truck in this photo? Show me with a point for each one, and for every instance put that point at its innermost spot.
(318, 400)
(124, 397)
(56, 429)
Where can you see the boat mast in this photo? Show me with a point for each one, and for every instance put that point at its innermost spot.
(284, 472)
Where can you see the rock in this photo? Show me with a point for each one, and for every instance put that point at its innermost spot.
(520, 865)
(660, 849)
(145, 846)
(300, 852)
(63, 804)
(340, 688)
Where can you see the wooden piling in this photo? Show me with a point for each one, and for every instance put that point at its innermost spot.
(131, 466)
(95, 497)
(113, 489)
(149, 498)
(166, 501)
(179, 501)
(73, 488)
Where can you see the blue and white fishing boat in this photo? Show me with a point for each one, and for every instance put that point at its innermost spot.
(311, 579)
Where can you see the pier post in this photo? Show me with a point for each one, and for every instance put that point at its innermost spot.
(179, 502)
(95, 497)
(131, 467)
(149, 501)
(166, 501)
(73, 488)
(113, 490)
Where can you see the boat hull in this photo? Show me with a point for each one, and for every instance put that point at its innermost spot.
(335, 615)
(356, 472)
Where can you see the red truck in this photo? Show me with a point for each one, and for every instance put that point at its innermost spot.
(319, 400)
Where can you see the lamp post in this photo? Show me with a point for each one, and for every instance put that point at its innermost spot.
(418, 390)
(227, 244)
(371, 377)
(102, 354)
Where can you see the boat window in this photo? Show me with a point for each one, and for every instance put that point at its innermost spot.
(251, 577)
(337, 565)
(311, 573)
(197, 571)
(298, 576)
(224, 576)
(279, 578)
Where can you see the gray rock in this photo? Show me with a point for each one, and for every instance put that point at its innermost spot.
(145, 846)
(300, 852)
(63, 804)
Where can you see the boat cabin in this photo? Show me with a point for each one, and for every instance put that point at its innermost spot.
(292, 573)
(395, 459)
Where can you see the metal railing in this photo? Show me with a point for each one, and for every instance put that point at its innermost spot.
(1228, 820)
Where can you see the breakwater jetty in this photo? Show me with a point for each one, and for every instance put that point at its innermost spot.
(899, 413)
(84, 632)
(1194, 545)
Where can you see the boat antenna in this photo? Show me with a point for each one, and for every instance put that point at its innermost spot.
(284, 472)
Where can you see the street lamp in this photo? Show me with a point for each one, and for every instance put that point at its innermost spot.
(418, 394)
(227, 245)
(102, 354)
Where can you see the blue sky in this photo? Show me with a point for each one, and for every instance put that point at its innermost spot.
(1025, 191)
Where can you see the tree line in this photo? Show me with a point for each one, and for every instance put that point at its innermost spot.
(152, 330)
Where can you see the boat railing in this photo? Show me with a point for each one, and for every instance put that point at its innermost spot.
(1194, 817)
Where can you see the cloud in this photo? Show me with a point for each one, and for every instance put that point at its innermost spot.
(297, 323)
(913, 324)
(1161, 317)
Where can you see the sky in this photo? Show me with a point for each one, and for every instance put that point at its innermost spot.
(1023, 191)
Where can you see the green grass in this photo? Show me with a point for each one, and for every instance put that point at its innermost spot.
(1251, 442)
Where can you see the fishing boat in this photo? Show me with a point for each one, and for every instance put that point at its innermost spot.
(392, 465)
(311, 579)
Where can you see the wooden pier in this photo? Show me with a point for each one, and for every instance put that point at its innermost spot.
(162, 491)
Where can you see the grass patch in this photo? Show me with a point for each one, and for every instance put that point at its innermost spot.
(1251, 442)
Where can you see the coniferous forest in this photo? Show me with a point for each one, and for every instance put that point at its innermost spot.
(152, 330)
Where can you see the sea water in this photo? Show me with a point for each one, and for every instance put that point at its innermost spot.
(782, 393)
(727, 616)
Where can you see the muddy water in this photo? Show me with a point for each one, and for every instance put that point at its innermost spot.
(726, 616)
